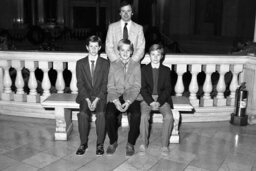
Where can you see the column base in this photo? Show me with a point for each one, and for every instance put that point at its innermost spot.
(42, 98)
(33, 98)
(20, 97)
(7, 96)
(206, 102)
(219, 102)
(230, 101)
(194, 102)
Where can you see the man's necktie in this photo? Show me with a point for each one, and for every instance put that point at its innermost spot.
(125, 32)
(92, 70)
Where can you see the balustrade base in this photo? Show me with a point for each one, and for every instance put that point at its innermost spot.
(194, 102)
(33, 98)
(230, 101)
(219, 102)
(206, 102)
(7, 96)
(20, 97)
(42, 98)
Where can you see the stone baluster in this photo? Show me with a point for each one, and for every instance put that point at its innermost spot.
(219, 100)
(179, 87)
(7, 93)
(46, 84)
(60, 84)
(193, 86)
(33, 96)
(235, 69)
(207, 87)
(20, 96)
(73, 86)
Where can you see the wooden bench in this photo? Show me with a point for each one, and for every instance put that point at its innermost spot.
(63, 105)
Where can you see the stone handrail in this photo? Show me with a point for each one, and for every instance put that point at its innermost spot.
(212, 100)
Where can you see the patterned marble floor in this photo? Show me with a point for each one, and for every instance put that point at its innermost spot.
(27, 144)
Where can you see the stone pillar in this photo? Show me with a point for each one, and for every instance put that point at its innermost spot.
(179, 87)
(73, 86)
(20, 96)
(207, 87)
(219, 100)
(46, 84)
(193, 86)
(60, 84)
(40, 8)
(33, 96)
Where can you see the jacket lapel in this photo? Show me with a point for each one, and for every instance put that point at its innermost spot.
(150, 75)
(160, 76)
(118, 29)
(97, 70)
(132, 33)
(87, 71)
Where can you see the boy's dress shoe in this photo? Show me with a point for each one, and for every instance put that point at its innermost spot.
(81, 150)
(111, 148)
(99, 150)
(129, 150)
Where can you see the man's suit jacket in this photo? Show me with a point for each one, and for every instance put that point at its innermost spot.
(163, 87)
(114, 35)
(128, 84)
(84, 79)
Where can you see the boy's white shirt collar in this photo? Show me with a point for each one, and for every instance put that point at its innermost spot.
(92, 58)
(128, 25)
(155, 65)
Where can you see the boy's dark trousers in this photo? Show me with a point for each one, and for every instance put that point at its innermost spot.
(85, 118)
(112, 115)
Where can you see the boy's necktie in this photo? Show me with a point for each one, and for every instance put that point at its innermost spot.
(92, 70)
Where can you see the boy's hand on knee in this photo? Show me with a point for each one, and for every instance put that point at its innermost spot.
(125, 106)
(94, 104)
(118, 105)
(89, 103)
(157, 105)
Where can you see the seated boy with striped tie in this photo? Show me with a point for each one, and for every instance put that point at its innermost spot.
(92, 79)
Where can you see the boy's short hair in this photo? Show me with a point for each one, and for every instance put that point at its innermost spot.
(93, 38)
(126, 42)
(157, 47)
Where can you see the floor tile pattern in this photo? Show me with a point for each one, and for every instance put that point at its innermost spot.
(27, 144)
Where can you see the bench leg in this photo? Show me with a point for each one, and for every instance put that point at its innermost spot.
(64, 123)
(175, 137)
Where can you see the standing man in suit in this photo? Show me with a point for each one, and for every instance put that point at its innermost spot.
(125, 29)
(156, 93)
(124, 83)
(92, 79)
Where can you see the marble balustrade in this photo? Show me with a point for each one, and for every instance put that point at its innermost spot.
(208, 97)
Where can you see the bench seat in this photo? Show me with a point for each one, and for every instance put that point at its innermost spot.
(64, 103)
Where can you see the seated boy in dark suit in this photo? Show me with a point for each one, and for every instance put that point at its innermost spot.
(156, 93)
(92, 79)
